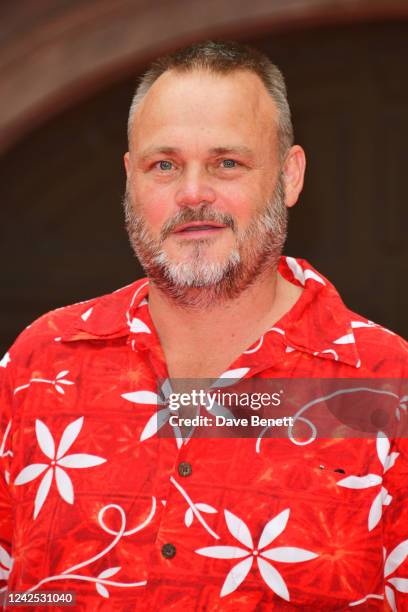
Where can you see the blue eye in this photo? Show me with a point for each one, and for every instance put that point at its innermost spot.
(229, 163)
(165, 165)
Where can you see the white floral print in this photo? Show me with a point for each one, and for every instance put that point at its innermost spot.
(162, 416)
(57, 382)
(5, 360)
(396, 557)
(382, 498)
(240, 531)
(59, 460)
(6, 563)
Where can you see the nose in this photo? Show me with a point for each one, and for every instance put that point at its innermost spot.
(195, 188)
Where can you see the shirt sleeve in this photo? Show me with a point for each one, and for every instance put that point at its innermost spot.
(6, 523)
(395, 525)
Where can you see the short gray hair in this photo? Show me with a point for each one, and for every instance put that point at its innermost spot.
(223, 58)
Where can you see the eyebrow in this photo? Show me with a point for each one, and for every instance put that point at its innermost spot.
(156, 150)
(226, 150)
(237, 150)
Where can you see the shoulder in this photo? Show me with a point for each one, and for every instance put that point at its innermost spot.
(49, 329)
(382, 352)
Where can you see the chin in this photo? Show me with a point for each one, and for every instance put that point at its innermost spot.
(197, 272)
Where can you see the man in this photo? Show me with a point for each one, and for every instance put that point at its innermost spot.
(94, 499)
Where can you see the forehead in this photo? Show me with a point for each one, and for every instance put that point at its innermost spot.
(198, 102)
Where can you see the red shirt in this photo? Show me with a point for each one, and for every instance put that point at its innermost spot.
(94, 500)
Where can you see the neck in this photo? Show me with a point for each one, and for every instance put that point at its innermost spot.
(230, 325)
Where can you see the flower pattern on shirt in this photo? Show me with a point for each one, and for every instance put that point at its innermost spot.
(392, 563)
(382, 498)
(56, 382)
(240, 531)
(6, 563)
(111, 348)
(301, 274)
(59, 460)
(162, 416)
(5, 360)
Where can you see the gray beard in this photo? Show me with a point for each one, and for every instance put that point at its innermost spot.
(197, 283)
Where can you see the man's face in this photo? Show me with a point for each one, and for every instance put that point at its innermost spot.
(205, 197)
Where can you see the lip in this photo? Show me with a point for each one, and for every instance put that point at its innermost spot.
(208, 227)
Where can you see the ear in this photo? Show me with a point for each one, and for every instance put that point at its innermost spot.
(293, 173)
(126, 159)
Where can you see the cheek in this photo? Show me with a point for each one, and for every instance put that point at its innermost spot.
(242, 206)
(155, 215)
(154, 204)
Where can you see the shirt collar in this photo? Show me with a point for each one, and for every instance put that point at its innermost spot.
(319, 323)
(110, 316)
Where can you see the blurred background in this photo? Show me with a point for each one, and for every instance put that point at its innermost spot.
(68, 70)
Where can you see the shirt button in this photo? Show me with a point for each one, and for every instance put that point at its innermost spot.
(168, 551)
(185, 469)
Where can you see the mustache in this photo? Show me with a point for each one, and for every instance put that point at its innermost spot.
(188, 215)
